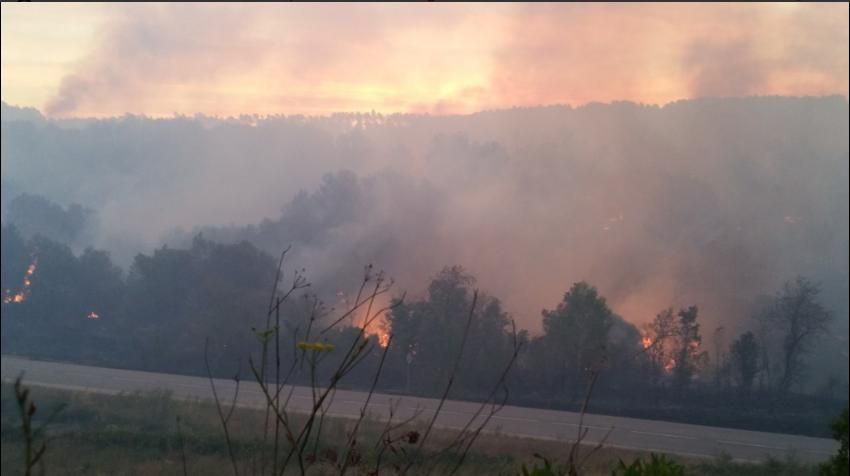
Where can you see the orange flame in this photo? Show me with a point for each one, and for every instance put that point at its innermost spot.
(377, 327)
(383, 339)
(16, 298)
(21, 296)
(373, 324)
(645, 341)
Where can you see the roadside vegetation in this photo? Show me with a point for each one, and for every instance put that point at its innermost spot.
(277, 440)
(463, 344)
(138, 434)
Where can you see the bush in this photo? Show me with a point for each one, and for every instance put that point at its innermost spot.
(838, 464)
(658, 465)
(547, 469)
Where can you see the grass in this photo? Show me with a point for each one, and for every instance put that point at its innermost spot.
(137, 434)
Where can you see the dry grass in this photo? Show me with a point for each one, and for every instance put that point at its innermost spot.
(137, 435)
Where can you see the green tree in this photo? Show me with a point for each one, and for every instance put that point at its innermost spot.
(838, 464)
(36, 215)
(797, 313)
(576, 334)
(427, 334)
(178, 298)
(744, 352)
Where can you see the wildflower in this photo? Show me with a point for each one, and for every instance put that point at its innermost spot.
(315, 346)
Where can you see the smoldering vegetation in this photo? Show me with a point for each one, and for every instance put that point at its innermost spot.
(711, 202)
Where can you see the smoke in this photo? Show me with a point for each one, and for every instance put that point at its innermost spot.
(711, 202)
(317, 59)
(730, 69)
(706, 202)
(194, 58)
(157, 46)
(655, 53)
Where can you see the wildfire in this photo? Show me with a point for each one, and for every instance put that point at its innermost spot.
(93, 315)
(659, 355)
(377, 327)
(383, 339)
(373, 324)
(21, 296)
(645, 341)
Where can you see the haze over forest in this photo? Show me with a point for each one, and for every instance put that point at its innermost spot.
(714, 201)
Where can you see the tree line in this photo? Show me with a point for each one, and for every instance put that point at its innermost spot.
(173, 302)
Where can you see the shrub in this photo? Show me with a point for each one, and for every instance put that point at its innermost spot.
(547, 469)
(658, 465)
(837, 465)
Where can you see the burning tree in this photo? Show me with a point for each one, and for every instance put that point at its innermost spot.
(14, 298)
(656, 341)
(672, 343)
(688, 353)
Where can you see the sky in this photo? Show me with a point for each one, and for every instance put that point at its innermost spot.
(99, 60)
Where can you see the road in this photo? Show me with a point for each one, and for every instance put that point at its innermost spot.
(627, 433)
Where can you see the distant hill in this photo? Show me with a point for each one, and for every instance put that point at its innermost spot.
(15, 113)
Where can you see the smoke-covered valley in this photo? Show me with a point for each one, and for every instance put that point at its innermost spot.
(713, 202)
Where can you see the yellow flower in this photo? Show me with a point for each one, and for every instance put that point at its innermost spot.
(315, 346)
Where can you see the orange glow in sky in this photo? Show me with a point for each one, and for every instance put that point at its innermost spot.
(230, 59)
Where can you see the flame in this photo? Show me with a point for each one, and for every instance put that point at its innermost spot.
(658, 354)
(8, 299)
(374, 324)
(93, 315)
(645, 341)
(21, 296)
(377, 326)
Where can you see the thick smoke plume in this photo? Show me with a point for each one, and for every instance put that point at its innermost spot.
(707, 202)
(231, 59)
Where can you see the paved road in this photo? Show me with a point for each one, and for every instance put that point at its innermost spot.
(629, 433)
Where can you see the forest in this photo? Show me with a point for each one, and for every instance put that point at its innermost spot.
(172, 304)
(691, 258)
